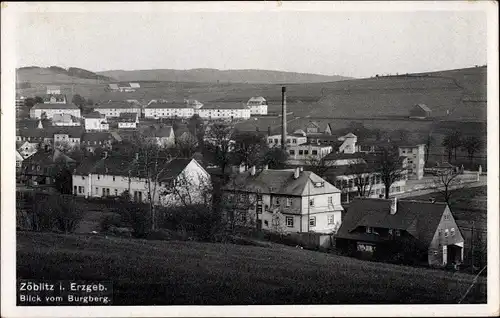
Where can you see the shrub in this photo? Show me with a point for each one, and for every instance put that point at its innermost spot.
(110, 220)
(57, 212)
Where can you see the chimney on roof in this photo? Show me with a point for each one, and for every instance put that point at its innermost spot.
(296, 174)
(283, 119)
(394, 205)
(252, 171)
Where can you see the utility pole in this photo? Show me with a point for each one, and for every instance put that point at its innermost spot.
(472, 248)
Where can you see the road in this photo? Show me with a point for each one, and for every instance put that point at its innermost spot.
(424, 187)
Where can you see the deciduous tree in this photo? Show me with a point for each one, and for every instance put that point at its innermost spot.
(389, 167)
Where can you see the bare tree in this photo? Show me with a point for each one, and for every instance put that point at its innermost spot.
(187, 144)
(219, 145)
(318, 165)
(471, 144)
(452, 142)
(429, 141)
(249, 148)
(363, 179)
(390, 167)
(446, 183)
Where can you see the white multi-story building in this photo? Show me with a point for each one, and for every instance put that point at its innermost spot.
(307, 152)
(416, 159)
(55, 99)
(96, 121)
(111, 176)
(128, 120)
(168, 110)
(49, 110)
(114, 108)
(224, 111)
(257, 105)
(65, 120)
(291, 139)
(290, 200)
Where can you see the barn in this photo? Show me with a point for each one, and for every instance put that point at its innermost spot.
(420, 111)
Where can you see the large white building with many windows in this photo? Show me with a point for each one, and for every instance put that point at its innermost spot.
(48, 111)
(223, 111)
(257, 105)
(168, 110)
(114, 108)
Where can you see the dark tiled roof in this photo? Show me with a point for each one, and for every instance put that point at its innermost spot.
(168, 105)
(419, 218)
(94, 114)
(128, 117)
(225, 105)
(116, 105)
(122, 166)
(54, 106)
(276, 181)
(162, 131)
(96, 136)
(424, 107)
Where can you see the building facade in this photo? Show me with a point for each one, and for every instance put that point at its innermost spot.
(290, 200)
(168, 110)
(224, 111)
(257, 105)
(96, 121)
(114, 109)
(39, 111)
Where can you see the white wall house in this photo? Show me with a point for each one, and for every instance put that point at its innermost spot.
(54, 99)
(109, 177)
(224, 111)
(416, 159)
(257, 105)
(67, 139)
(291, 139)
(168, 110)
(49, 110)
(96, 121)
(114, 109)
(303, 153)
(289, 200)
(53, 90)
(349, 143)
(128, 120)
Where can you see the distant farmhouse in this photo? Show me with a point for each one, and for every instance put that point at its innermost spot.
(420, 111)
(53, 90)
(126, 87)
(257, 105)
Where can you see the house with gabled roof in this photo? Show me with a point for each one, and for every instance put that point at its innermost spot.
(128, 120)
(96, 121)
(257, 105)
(403, 231)
(162, 135)
(420, 111)
(44, 110)
(97, 139)
(111, 176)
(288, 200)
(115, 108)
(42, 167)
(65, 120)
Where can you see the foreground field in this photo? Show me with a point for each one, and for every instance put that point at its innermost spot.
(160, 272)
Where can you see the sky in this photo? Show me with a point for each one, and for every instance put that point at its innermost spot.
(356, 44)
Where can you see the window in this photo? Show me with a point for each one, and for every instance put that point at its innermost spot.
(301, 152)
(311, 202)
(266, 222)
(368, 229)
(277, 201)
(113, 178)
(270, 140)
(289, 221)
(446, 233)
(306, 152)
(80, 189)
(330, 200)
(452, 231)
(74, 189)
(397, 232)
(116, 192)
(314, 152)
(331, 219)
(312, 221)
(288, 140)
(259, 197)
(390, 231)
(275, 141)
(292, 152)
(288, 202)
(96, 190)
(294, 140)
(446, 216)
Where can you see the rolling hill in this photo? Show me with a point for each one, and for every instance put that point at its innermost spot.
(206, 75)
(191, 273)
(56, 75)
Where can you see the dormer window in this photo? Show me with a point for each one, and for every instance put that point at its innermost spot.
(369, 230)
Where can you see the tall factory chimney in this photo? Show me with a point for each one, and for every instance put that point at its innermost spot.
(283, 108)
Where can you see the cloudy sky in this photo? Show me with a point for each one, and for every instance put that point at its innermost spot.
(357, 44)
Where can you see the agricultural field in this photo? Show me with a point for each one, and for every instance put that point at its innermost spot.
(192, 273)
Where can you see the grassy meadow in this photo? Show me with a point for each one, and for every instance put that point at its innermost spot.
(192, 273)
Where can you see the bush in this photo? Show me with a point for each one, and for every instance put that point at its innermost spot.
(57, 212)
(110, 220)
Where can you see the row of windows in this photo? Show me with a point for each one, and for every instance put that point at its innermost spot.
(288, 140)
(371, 230)
(446, 232)
(312, 220)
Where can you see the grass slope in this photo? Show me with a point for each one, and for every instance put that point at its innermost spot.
(188, 273)
(206, 75)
